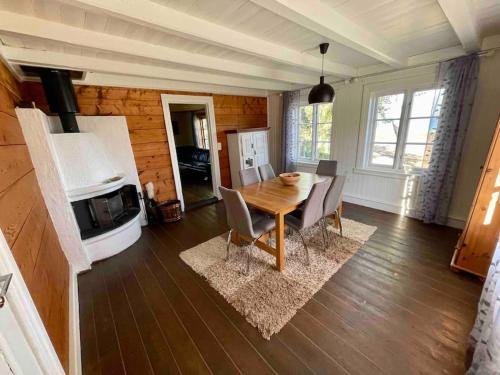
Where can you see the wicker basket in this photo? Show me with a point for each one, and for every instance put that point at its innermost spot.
(169, 211)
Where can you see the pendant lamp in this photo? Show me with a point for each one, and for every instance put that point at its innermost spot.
(322, 93)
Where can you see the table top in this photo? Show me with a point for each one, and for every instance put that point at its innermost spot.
(274, 197)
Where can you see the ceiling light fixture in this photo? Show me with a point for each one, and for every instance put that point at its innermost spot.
(322, 93)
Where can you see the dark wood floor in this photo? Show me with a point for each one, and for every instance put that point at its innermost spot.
(394, 308)
(195, 190)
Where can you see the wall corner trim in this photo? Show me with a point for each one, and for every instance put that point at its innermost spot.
(75, 358)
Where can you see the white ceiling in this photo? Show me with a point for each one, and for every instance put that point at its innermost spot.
(255, 44)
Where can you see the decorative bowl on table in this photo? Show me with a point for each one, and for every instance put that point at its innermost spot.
(289, 179)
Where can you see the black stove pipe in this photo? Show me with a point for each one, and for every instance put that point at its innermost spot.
(61, 97)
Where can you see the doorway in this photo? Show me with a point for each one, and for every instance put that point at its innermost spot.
(190, 125)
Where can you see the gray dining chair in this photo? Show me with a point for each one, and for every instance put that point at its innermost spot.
(332, 202)
(311, 213)
(249, 225)
(249, 176)
(327, 168)
(266, 172)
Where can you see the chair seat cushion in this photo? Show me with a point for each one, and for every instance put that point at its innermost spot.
(294, 219)
(264, 225)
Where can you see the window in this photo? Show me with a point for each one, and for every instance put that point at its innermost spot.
(315, 131)
(201, 130)
(402, 127)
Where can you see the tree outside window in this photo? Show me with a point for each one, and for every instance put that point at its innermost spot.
(403, 127)
(315, 131)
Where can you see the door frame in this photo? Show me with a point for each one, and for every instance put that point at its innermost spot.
(24, 311)
(208, 102)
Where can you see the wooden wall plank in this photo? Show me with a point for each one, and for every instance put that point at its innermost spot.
(27, 245)
(16, 203)
(52, 302)
(25, 222)
(15, 162)
(152, 162)
(10, 130)
(150, 149)
(7, 102)
(145, 121)
(148, 136)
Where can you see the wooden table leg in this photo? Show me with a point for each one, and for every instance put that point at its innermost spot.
(336, 217)
(280, 242)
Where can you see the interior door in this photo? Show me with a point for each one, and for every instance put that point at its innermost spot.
(16, 355)
(261, 148)
(15, 352)
(247, 150)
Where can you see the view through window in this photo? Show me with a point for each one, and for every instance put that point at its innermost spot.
(201, 128)
(403, 127)
(315, 131)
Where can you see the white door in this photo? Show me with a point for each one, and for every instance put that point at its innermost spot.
(15, 352)
(247, 150)
(17, 356)
(261, 148)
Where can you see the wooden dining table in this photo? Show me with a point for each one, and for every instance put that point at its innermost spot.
(274, 198)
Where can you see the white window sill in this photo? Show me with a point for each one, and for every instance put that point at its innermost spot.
(400, 175)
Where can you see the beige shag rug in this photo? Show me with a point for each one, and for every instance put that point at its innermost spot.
(268, 299)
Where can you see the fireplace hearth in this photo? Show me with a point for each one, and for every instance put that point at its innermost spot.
(101, 214)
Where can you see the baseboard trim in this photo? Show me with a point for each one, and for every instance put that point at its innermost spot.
(455, 222)
(390, 207)
(379, 205)
(75, 358)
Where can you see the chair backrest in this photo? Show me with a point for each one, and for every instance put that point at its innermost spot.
(238, 216)
(334, 195)
(249, 176)
(266, 172)
(313, 207)
(327, 168)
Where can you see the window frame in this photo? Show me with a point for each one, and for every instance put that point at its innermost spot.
(314, 127)
(404, 122)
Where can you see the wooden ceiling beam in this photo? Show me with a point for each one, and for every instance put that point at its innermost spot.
(169, 20)
(463, 22)
(77, 62)
(317, 16)
(39, 28)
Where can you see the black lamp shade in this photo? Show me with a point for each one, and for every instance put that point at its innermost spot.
(322, 93)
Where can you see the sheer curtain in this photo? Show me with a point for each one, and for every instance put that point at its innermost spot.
(485, 336)
(458, 77)
(290, 135)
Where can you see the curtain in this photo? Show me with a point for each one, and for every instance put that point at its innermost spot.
(290, 134)
(485, 335)
(458, 77)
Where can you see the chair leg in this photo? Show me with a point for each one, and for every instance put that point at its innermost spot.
(325, 237)
(322, 229)
(305, 247)
(328, 238)
(340, 223)
(228, 244)
(249, 255)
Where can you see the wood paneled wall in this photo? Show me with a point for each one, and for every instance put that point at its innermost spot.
(146, 125)
(25, 222)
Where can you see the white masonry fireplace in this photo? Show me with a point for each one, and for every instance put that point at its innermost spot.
(89, 182)
(87, 174)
